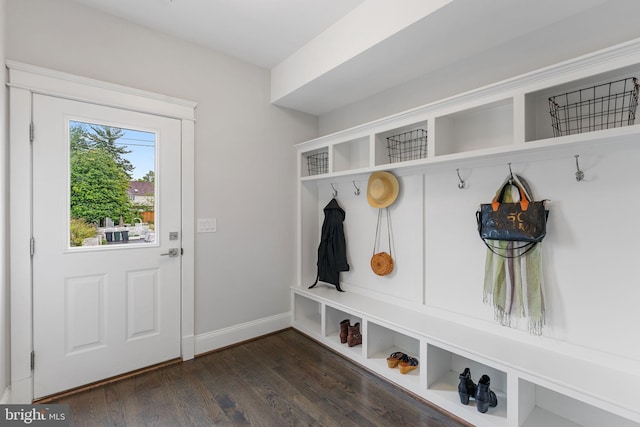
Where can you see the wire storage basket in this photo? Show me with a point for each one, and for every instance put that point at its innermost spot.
(410, 145)
(318, 163)
(604, 106)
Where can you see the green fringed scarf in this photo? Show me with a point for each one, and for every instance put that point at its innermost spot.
(513, 286)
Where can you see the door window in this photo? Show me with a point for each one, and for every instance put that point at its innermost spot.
(112, 186)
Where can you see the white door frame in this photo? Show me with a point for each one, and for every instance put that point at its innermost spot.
(25, 80)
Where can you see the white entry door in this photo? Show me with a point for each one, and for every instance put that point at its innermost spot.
(107, 301)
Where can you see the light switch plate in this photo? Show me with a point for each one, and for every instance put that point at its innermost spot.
(207, 225)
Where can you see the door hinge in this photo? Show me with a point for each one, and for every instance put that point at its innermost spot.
(181, 251)
(32, 246)
(31, 132)
(33, 360)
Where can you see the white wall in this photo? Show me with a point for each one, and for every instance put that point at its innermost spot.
(245, 161)
(4, 279)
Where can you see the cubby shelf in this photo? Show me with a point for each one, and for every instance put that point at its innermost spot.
(537, 383)
(504, 118)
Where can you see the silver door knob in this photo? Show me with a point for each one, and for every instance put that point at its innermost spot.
(173, 252)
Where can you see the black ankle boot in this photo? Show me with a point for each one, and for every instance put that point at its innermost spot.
(466, 387)
(484, 396)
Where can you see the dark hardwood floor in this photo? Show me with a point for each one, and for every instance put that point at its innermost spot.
(284, 379)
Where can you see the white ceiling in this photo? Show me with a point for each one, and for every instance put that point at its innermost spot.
(261, 32)
(267, 32)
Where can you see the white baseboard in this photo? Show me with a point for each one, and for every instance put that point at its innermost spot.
(21, 391)
(6, 396)
(224, 337)
(188, 347)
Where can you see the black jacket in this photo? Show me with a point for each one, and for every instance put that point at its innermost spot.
(332, 252)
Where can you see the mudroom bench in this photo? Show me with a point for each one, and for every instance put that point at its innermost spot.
(570, 388)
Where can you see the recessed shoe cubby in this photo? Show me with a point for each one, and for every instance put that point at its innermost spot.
(580, 374)
(307, 314)
(443, 370)
(333, 317)
(542, 407)
(382, 342)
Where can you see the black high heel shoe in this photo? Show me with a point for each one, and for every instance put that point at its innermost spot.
(466, 387)
(485, 398)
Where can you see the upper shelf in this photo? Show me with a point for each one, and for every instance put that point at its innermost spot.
(595, 99)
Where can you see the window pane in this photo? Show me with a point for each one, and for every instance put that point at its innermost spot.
(112, 185)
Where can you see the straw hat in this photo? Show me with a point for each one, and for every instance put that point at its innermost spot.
(382, 189)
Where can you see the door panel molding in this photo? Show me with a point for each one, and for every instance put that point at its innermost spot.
(143, 310)
(24, 81)
(85, 328)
